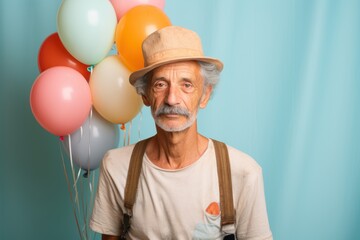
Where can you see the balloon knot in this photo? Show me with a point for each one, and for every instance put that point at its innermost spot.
(86, 174)
(61, 138)
(90, 68)
(122, 127)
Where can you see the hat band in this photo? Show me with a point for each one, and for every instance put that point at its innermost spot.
(172, 54)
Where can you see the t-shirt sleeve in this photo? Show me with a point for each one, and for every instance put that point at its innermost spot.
(107, 213)
(253, 221)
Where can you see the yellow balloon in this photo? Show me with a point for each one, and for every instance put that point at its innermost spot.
(114, 98)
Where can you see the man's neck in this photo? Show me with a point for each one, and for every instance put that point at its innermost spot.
(175, 150)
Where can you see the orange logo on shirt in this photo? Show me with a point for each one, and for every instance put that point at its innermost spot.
(213, 209)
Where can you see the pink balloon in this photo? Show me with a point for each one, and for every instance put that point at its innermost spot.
(122, 6)
(60, 100)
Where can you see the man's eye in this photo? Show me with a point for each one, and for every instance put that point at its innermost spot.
(188, 86)
(160, 85)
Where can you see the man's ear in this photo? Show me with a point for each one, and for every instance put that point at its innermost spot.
(145, 100)
(206, 96)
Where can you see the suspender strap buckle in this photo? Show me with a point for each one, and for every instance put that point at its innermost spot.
(228, 228)
(125, 225)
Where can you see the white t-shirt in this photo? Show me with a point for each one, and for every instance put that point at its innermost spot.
(171, 204)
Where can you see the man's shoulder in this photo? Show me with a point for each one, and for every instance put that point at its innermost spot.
(242, 162)
(120, 151)
(117, 157)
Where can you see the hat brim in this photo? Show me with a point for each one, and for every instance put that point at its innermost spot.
(140, 73)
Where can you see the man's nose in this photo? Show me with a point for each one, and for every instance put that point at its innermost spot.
(172, 97)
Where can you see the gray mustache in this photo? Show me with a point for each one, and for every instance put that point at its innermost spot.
(166, 109)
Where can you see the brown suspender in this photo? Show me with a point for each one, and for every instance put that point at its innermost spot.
(224, 175)
(134, 173)
(225, 185)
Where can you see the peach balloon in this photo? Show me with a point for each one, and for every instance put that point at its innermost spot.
(114, 98)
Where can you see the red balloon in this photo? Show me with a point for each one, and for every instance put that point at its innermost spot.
(52, 53)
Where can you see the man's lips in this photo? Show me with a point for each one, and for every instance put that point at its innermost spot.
(171, 115)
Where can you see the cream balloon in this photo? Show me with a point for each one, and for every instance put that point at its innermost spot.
(113, 96)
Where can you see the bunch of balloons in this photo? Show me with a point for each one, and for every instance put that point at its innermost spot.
(82, 91)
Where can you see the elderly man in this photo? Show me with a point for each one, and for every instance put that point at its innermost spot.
(177, 189)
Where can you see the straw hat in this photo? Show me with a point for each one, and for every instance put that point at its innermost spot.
(168, 45)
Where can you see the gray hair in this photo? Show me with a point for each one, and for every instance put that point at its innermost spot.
(208, 71)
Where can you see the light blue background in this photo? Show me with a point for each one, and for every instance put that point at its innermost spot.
(289, 97)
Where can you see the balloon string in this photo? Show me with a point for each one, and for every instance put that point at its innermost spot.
(70, 192)
(128, 133)
(73, 173)
(85, 204)
(91, 181)
(83, 208)
(77, 177)
(123, 129)
(82, 203)
(92, 193)
(89, 148)
(139, 126)
(71, 162)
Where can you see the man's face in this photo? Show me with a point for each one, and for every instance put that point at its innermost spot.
(175, 93)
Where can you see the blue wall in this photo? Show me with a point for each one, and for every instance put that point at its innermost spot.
(288, 97)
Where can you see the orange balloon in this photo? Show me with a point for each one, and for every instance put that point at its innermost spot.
(52, 53)
(138, 23)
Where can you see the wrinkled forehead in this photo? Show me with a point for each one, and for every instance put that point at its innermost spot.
(185, 69)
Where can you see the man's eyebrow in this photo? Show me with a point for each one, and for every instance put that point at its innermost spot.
(158, 78)
(187, 79)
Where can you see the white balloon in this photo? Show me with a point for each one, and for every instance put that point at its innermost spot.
(90, 142)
